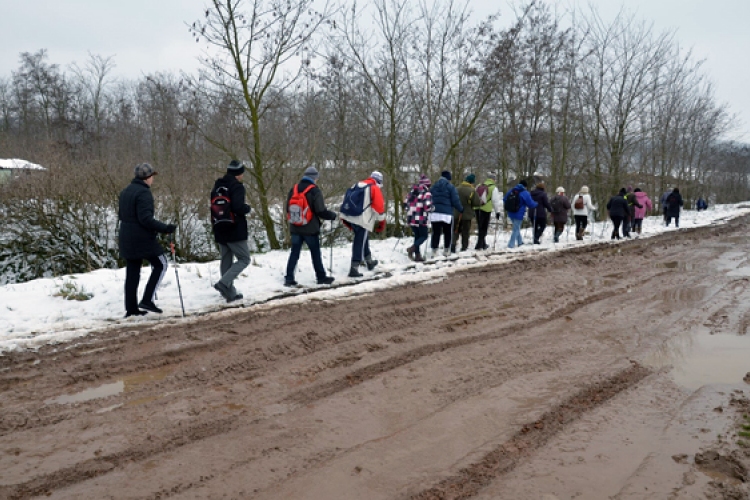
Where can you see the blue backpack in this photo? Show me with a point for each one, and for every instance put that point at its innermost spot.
(354, 200)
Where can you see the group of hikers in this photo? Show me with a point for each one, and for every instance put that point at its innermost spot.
(448, 209)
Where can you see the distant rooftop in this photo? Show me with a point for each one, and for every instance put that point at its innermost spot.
(20, 164)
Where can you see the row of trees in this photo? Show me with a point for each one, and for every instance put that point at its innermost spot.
(402, 87)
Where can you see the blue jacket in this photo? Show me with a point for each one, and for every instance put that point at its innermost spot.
(445, 197)
(526, 201)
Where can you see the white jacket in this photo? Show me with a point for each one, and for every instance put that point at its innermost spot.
(588, 206)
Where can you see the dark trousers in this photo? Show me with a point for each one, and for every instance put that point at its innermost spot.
(539, 226)
(559, 229)
(581, 222)
(626, 227)
(361, 245)
(420, 236)
(463, 229)
(676, 220)
(616, 221)
(133, 278)
(483, 224)
(637, 225)
(438, 229)
(313, 243)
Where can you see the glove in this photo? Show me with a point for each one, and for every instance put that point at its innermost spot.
(497, 215)
(171, 228)
(380, 227)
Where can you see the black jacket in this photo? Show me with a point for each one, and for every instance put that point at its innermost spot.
(674, 202)
(317, 205)
(618, 206)
(543, 204)
(138, 227)
(238, 231)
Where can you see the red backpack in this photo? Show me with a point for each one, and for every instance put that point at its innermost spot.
(299, 212)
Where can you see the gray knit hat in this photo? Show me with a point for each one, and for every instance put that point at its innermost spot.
(144, 171)
(312, 173)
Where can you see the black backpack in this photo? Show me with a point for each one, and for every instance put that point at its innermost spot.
(556, 203)
(221, 208)
(512, 202)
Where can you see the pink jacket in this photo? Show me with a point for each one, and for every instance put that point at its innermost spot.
(645, 202)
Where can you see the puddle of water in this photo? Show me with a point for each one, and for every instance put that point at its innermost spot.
(102, 391)
(126, 384)
(702, 359)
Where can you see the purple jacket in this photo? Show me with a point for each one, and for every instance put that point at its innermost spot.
(540, 197)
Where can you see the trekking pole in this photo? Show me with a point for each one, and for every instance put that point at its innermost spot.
(497, 225)
(174, 262)
(330, 256)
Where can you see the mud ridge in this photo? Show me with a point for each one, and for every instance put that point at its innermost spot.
(531, 437)
(83, 471)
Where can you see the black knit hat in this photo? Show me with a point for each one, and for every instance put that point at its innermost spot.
(236, 168)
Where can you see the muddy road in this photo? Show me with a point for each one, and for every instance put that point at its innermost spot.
(552, 377)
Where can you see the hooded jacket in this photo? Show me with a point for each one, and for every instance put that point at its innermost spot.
(588, 205)
(539, 195)
(468, 198)
(674, 202)
(562, 215)
(526, 201)
(618, 206)
(374, 206)
(646, 205)
(494, 200)
(445, 197)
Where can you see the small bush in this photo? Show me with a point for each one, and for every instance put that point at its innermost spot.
(71, 291)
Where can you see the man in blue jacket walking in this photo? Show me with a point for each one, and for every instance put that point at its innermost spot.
(444, 200)
(517, 214)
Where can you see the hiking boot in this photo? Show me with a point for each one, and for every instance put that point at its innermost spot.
(290, 283)
(326, 280)
(136, 313)
(371, 263)
(236, 297)
(223, 290)
(418, 258)
(354, 272)
(446, 252)
(410, 252)
(149, 306)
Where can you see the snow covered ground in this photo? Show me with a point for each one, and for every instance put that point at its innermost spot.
(34, 313)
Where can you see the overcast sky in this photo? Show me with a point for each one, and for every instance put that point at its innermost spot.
(147, 36)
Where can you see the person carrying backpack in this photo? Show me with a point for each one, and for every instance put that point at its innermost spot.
(489, 203)
(618, 210)
(137, 235)
(674, 202)
(560, 206)
(640, 212)
(468, 198)
(582, 206)
(632, 205)
(418, 208)
(539, 214)
(515, 202)
(305, 207)
(445, 200)
(362, 211)
(701, 204)
(231, 235)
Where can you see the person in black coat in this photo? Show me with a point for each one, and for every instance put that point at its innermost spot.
(538, 215)
(308, 233)
(138, 230)
(674, 202)
(618, 210)
(232, 238)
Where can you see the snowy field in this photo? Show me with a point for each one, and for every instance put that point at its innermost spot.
(36, 313)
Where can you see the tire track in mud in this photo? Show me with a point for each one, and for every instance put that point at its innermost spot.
(88, 469)
(531, 437)
(236, 333)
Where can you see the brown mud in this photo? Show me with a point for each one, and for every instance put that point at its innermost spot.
(550, 377)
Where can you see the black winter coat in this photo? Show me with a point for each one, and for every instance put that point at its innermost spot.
(674, 202)
(618, 206)
(317, 205)
(543, 204)
(138, 227)
(238, 231)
